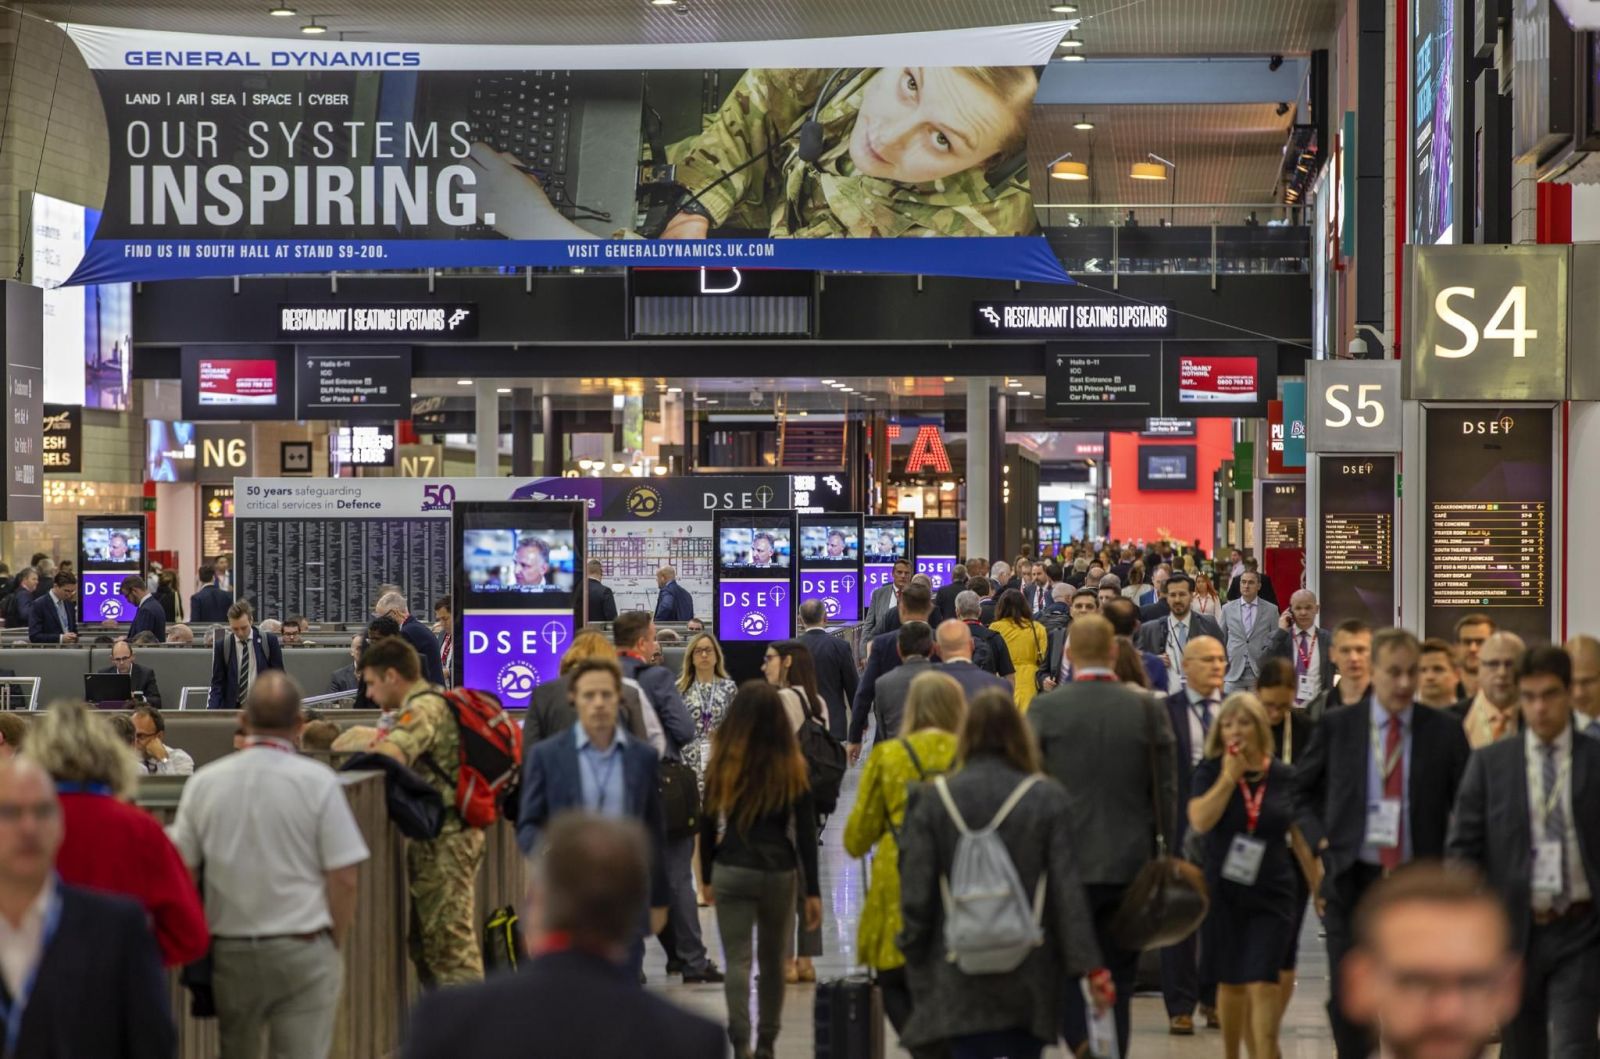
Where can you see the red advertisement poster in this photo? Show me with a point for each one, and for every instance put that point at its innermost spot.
(1229, 380)
(232, 382)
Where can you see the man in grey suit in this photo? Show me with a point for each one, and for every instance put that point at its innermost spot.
(1095, 735)
(884, 602)
(1248, 623)
(955, 660)
(914, 646)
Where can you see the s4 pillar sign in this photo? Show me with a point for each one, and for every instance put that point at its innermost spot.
(1353, 406)
(1487, 323)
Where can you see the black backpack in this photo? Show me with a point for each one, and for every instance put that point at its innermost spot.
(983, 655)
(825, 761)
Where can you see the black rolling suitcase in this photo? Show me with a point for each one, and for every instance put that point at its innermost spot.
(849, 1019)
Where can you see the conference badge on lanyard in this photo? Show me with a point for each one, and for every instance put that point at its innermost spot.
(1245, 852)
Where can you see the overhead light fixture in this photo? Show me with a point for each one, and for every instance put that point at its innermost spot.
(674, 389)
(1071, 57)
(281, 11)
(463, 382)
(1024, 393)
(712, 400)
(661, 468)
(1064, 168)
(502, 389)
(663, 3)
(1071, 42)
(828, 382)
(617, 468)
(313, 28)
(1013, 383)
(1083, 124)
(1064, 9)
(1153, 169)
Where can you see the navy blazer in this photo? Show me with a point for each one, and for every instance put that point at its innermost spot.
(43, 624)
(1282, 646)
(1178, 713)
(225, 667)
(426, 644)
(674, 603)
(602, 602)
(837, 678)
(883, 656)
(150, 617)
(552, 783)
(209, 604)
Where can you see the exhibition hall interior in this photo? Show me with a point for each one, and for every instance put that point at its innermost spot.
(733, 528)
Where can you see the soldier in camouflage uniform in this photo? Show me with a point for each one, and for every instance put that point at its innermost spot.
(442, 872)
(905, 152)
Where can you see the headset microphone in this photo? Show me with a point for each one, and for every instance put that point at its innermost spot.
(812, 143)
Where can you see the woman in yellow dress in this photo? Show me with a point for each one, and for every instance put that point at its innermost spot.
(935, 708)
(1025, 638)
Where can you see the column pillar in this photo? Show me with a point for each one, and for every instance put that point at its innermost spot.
(996, 397)
(553, 462)
(487, 423)
(980, 483)
(522, 428)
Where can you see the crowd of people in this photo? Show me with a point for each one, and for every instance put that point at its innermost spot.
(1041, 734)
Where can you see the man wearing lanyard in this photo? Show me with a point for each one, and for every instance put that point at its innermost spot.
(599, 769)
(1352, 657)
(585, 885)
(1310, 648)
(1095, 739)
(1191, 711)
(1542, 856)
(1169, 638)
(273, 838)
(1491, 715)
(1374, 789)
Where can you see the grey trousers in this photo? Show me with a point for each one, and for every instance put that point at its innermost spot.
(283, 988)
(1560, 994)
(684, 911)
(763, 902)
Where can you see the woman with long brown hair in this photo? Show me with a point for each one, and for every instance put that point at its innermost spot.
(758, 825)
(1025, 640)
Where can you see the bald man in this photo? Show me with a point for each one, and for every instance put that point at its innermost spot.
(1585, 654)
(1308, 648)
(98, 945)
(1493, 714)
(953, 640)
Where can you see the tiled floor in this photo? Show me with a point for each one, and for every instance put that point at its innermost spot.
(1305, 1031)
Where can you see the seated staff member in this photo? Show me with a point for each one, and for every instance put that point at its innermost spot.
(142, 678)
(1243, 803)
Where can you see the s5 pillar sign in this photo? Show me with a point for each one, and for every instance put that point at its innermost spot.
(518, 591)
(755, 597)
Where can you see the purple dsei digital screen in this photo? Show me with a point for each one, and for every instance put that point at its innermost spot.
(938, 568)
(512, 652)
(755, 611)
(98, 597)
(839, 590)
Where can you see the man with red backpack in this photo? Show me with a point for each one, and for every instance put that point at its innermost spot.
(431, 729)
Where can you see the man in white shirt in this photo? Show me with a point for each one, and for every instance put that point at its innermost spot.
(1309, 648)
(1168, 638)
(1527, 816)
(149, 739)
(273, 837)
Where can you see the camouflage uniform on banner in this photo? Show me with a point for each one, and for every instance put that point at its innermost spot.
(785, 196)
(443, 872)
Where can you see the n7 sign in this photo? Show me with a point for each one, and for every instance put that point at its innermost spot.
(1488, 322)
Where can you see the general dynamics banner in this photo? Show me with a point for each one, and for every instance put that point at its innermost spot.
(899, 153)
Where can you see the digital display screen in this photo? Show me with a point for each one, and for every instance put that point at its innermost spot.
(518, 560)
(1111, 385)
(754, 544)
(938, 545)
(1489, 510)
(237, 382)
(1169, 428)
(512, 652)
(1433, 80)
(830, 543)
(169, 451)
(100, 599)
(1218, 380)
(839, 590)
(1167, 467)
(885, 541)
(110, 547)
(753, 611)
(113, 545)
(885, 544)
(1357, 541)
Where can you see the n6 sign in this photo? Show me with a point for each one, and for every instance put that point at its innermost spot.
(1353, 406)
(1488, 322)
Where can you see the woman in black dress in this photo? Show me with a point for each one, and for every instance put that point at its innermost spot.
(1291, 734)
(1242, 804)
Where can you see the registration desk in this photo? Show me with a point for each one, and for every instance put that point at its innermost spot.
(379, 982)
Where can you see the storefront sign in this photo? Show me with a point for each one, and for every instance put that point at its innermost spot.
(378, 322)
(1353, 406)
(1067, 318)
(22, 499)
(234, 155)
(370, 383)
(361, 447)
(1488, 323)
(63, 439)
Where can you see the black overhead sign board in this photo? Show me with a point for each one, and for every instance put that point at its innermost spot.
(370, 383)
(377, 322)
(1063, 319)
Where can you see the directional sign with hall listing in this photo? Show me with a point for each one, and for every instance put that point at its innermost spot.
(1103, 383)
(366, 383)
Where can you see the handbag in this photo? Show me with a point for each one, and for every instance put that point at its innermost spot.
(1167, 900)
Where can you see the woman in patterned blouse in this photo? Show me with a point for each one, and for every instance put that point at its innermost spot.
(706, 690)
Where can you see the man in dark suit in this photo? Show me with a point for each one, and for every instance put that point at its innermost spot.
(994, 656)
(914, 646)
(1374, 790)
(883, 656)
(574, 995)
(143, 677)
(348, 678)
(835, 664)
(1191, 711)
(597, 767)
(1351, 647)
(1057, 668)
(1168, 638)
(944, 600)
(1095, 736)
(53, 617)
(73, 940)
(239, 658)
(954, 640)
(1545, 864)
(983, 588)
(419, 636)
(1267, 593)
(884, 601)
(1307, 647)
(148, 615)
(673, 602)
(209, 603)
(602, 601)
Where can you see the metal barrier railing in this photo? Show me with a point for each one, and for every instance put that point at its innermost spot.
(13, 688)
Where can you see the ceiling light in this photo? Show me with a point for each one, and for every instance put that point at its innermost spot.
(1083, 124)
(313, 28)
(584, 465)
(1024, 393)
(663, 3)
(1148, 171)
(949, 378)
(1064, 9)
(697, 397)
(502, 389)
(1071, 57)
(674, 389)
(413, 396)
(661, 468)
(712, 400)
(1064, 168)
(1071, 42)
(827, 382)
(1013, 382)
(865, 398)
(463, 382)
(617, 467)
(280, 11)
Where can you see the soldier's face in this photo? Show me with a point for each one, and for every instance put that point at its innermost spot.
(919, 124)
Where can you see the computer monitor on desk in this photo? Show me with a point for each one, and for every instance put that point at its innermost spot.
(109, 691)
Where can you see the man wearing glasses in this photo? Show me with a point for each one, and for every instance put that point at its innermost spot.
(149, 739)
(1492, 714)
(143, 678)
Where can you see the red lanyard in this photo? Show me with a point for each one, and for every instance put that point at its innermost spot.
(1252, 806)
(269, 742)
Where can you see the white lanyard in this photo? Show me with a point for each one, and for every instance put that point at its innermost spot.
(1546, 800)
(1385, 767)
